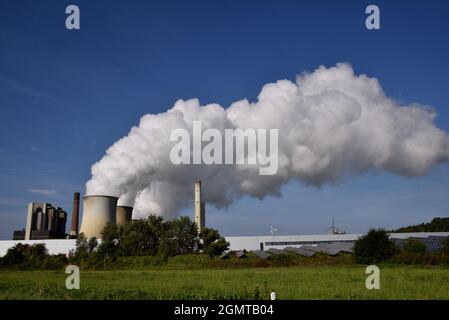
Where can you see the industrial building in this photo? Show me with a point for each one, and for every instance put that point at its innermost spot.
(44, 221)
(300, 244)
(99, 210)
(265, 243)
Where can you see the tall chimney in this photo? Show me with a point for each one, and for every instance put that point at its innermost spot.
(75, 214)
(199, 207)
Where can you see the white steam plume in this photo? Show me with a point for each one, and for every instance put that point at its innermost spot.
(332, 123)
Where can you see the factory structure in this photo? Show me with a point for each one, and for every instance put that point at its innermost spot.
(44, 221)
(46, 224)
(99, 210)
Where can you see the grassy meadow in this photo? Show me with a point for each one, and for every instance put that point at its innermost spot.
(303, 282)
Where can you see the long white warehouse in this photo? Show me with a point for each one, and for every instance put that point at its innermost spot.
(239, 243)
(280, 242)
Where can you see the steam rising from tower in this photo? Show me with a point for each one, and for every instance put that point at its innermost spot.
(332, 124)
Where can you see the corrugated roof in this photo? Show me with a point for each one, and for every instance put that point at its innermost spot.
(261, 254)
(300, 251)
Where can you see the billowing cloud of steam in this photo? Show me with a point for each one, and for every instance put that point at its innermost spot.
(332, 124)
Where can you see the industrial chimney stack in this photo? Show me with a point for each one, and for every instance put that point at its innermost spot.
(199, 207)
(75, 215)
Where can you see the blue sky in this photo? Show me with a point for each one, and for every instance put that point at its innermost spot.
(65, 96)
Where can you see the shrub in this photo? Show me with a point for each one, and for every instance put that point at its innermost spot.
(55, 262)
(374, 247)
(142, 237)
(16, 254)
(30, 256)
(414, 246)
(212, 243)
(184, 235)
(110, 241)
(445, 248)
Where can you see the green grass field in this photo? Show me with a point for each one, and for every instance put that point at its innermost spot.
(329, 282)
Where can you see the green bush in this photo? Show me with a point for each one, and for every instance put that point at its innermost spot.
(445, 248)
(25, 255)
(374, 247)
(110, 242)
(142, 237)
(16, 255)
(414, 246)
(55, 262)
(212, 243)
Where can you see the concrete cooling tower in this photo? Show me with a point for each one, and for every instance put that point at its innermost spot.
(123, 215)
(97, 212)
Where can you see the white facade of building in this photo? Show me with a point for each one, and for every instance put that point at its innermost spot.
(280, 242)
(249, 243)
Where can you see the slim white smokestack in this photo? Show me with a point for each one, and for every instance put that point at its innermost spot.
(332, 124)
(200, 214)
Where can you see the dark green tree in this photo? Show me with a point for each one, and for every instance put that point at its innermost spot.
(180, 236)
(414, 246)
(32, 256)
(92, 244)
(110, 241)
(16, 254)
(142, 237)
(212, 243)
(445, 247)
(374, 247)
(81, 251)
(36, 254)
(436, 225)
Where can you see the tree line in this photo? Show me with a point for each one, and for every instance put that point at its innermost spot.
(150, 237)
(376, 246)
(436, 225)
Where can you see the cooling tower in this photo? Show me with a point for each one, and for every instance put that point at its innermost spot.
(123, 215)
(97, 212)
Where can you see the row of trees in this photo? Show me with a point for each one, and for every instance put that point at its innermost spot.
(149, 237)
(152, 236)
(25, 256)
(376, 246)
(436, 225)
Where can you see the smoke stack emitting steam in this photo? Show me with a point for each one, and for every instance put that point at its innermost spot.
(332, 124)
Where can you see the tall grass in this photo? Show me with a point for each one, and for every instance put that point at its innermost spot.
(305, 282)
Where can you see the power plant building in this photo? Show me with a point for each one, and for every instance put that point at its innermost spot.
(44, 221)
(267, 243)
